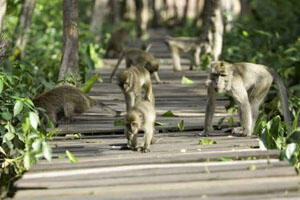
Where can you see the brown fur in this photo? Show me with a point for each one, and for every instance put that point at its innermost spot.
(137, 57)
(116, 43)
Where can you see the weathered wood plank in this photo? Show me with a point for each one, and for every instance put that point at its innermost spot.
(199, 188)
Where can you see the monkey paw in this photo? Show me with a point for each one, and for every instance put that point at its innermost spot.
(145, 150)
(238, 131)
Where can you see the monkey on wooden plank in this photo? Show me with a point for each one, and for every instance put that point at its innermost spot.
(65, 101)
(116, 43)
(140, 117)
(138, 57)
(185, 44)
(133, 81)
(248, 84)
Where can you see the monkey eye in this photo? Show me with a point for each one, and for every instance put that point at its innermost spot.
(223, 75)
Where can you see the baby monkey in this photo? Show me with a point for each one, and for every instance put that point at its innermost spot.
(140, 117)
(65, 101)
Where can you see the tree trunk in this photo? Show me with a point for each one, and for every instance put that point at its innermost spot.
(185, 11)
(232, 10)
(115, 8)
(23, 27)
(141, 17)
(156, 14)
(245, 7)
(212, 32)
(98, 15)
(2, 13)
(69, 63)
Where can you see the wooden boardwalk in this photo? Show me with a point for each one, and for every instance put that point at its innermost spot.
(177, 166)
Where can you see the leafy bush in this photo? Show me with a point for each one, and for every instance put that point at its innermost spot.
(23, 142)
(275, 134)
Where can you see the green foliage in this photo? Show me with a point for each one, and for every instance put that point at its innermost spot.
(169, 113)
(207, 142)
(275, 134)
(181, 126)
(185, 80)
(23, 141)
(71, 157)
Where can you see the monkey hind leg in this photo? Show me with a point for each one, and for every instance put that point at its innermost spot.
(148, 138)
(256, 97)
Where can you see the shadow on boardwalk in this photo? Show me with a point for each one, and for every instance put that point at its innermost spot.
(177, 166)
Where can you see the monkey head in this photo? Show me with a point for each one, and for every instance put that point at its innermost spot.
(152, 66)
(125, 80)
(221, 76)
(133, 122)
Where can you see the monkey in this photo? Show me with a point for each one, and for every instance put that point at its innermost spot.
(134, 57)
(185, 44)
(65, 101)
(131, 81)
(116, 43)
(140, 117)
(248, 84)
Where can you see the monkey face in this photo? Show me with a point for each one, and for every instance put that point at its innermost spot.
(220, 82)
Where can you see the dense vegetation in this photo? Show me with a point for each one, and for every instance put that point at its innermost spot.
(270, 35)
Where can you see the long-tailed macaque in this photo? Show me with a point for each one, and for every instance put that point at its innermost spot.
(65, 101)
(116, 43)
(248, 84)
(131, 81)
(185, 44)
(138, 57)
(140, 117)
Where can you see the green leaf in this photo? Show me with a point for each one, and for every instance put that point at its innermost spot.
(47, 151)
(89, 83)
(169, 113)
(294, 137)
(1, 86)
(77, 136)
(18, 107)
(181, 126)
(245, 33)
(224, 159)
(6, 115)
(71, 157)
(252, 167)
(8, 136)
(27, 160)
(34, 119)
(36, 145)
(160, 124)
(206, 142)
(295, 122)
(290, 149)
(185, 80)
(119, 123)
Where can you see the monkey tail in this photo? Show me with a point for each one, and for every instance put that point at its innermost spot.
(112, 111)
(117, 65)
(283, 96)
(148, 47)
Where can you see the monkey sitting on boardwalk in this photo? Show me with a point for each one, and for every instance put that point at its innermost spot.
(65, 101)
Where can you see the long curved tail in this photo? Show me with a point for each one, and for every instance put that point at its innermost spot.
(117, 65)
(283, 97)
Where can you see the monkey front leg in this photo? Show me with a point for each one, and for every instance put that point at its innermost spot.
(148, 137)
(156, 77)
(245, 112)
(130, 100)
(210, 108)
(176, 59)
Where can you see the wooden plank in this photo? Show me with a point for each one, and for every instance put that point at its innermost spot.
(199, 188)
